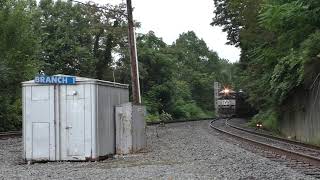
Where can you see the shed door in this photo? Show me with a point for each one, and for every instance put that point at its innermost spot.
(39, 123)
(72, 122)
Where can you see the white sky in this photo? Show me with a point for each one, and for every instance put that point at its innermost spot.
(169, 18)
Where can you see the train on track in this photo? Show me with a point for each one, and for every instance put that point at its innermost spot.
(234, 104)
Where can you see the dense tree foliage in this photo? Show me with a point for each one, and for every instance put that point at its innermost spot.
(63, 37)
(18, 57)
(178, 79)
(280, 46)
(80, 39)
(57, 37)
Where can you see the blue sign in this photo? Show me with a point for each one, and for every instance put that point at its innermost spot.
(43, 79)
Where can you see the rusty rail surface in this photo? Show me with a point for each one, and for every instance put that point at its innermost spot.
(179, 121)
(9, 134)
(19, 133)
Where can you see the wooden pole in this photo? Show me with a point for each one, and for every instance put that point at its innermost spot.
(133, 57)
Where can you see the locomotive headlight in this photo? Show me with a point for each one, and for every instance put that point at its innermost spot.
(259, 125)
(227, 91)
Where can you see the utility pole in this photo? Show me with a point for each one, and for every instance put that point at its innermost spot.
(133, 57)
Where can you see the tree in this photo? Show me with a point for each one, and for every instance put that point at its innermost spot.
(57, 37)
(19, 46)
(90, 40)
(156, 73)
(199, 67)
(79, 39)
(177, 79)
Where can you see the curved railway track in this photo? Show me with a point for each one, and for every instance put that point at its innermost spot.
(273, 137)
(299, 156)
(10, 134)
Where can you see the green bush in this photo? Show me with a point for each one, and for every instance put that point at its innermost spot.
(189, 110)
(152, 118)
(269, 120)
(10, 114)
(209, 114)
(165, 117)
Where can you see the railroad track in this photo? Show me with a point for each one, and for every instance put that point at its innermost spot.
(298, 156)
(228, 123)
(10, 134)
(178, 121)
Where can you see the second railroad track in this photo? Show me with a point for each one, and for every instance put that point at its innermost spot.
(304, 158)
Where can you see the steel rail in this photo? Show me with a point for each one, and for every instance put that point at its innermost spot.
(5, 135)
(274, 137)
(19, 133)
(178, 121)
(288, 153)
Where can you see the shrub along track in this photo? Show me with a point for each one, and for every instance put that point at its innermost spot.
(298, 156)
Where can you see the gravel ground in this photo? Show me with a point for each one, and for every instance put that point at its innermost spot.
(176, 151)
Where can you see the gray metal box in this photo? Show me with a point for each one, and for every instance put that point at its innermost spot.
(70, 122)
(130, 128)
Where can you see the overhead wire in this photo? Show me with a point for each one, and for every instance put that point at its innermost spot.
(106, 7)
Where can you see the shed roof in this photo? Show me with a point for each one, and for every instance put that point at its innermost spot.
(82, 80)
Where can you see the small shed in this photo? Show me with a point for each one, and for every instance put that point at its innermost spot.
(70, 118)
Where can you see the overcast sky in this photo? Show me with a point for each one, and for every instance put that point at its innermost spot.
(169, 18)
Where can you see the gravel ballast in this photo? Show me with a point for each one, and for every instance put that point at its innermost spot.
(177, 151)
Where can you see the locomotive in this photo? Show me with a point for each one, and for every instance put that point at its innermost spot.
(234, 104)
(226, 103)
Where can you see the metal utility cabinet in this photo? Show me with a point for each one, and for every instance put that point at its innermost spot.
(130, 128)
(70, 121)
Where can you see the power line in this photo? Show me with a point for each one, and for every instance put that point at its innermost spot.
(107, 7)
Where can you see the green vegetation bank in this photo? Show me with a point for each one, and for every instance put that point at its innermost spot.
(280, 43)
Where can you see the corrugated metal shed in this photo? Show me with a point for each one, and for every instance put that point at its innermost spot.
(70, 122)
